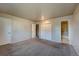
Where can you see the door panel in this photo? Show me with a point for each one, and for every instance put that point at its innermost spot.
(45, 31)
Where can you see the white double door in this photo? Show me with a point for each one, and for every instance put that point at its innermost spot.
(45, 31)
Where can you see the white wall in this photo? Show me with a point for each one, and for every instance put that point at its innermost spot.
(75, 30)
(22, 30)
(56, 27)
(16, 29)
(5, 30)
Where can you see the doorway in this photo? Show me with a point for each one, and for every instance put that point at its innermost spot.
(64, 32)
(37, 30)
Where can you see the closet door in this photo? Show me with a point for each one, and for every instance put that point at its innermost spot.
(48, 31)
(22, 30)
(45, 31)
(5, 30)
(42, 31)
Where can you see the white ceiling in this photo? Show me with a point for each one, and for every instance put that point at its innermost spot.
(34, 11)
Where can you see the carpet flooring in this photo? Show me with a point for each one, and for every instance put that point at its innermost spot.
(34, 47)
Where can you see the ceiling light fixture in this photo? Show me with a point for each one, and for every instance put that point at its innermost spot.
(42, 17)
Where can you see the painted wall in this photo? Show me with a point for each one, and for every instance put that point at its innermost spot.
(5, 30)
(14, 29)
(75, 30)
(22, 30)
(55, 27)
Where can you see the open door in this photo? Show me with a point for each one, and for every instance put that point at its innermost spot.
(64, 32)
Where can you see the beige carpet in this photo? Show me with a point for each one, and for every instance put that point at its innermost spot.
(38, 47)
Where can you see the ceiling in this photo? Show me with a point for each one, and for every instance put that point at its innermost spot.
(37, 11)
